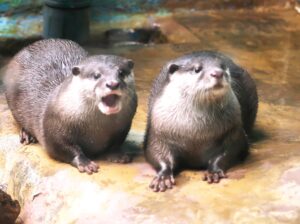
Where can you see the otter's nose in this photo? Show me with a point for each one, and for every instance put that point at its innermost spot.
(113, 84)
(217, 74)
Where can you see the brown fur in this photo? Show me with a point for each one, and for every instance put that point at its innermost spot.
(74, 105)
(200, 108)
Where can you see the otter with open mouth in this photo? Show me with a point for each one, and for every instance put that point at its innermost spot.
(202, 106)
(77, 106)
(111, 103)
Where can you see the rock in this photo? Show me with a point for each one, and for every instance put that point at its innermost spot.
(9, 209)
(265, 189)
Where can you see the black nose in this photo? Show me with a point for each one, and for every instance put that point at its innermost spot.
(113, 85)
(217, 74)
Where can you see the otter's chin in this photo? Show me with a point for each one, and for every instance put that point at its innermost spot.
(219, 90)
(110, 104)
(213, 93)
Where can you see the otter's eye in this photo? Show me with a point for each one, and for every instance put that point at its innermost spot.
(223, 66)
(122, 73)
(97, 75)
(198, 69)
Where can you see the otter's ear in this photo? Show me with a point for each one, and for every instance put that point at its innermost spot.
(130, 64)
(172, 68)
(76, 70)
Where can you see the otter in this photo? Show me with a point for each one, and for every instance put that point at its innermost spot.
(202, 107)
(76, 106)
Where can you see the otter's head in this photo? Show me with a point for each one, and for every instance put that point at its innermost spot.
(203, 79)
(106, 80)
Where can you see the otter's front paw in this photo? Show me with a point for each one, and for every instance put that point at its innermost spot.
(162, 183)
(214, 176)
(26, 138)
(83, 164)
(119, 158)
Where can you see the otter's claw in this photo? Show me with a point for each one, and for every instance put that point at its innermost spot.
(83, 164)
(26, 138)
(89, 168)
(162, 183)
(214, 176)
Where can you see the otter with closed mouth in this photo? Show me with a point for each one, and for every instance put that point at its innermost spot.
(77, 106)
(201, 108)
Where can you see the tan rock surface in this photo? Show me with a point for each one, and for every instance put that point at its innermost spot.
(265, 189)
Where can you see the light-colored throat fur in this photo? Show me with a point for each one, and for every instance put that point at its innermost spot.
(76, 98)
(177, 115)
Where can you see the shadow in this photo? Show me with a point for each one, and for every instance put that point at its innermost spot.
(1, 86)
(258, 135)
(132, 148)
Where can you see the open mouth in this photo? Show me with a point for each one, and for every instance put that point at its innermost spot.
(110, 100)
(110, 104)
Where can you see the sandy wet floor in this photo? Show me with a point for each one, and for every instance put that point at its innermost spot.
(266, 189)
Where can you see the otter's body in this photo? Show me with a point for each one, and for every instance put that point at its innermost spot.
(74, 105)
(201, 108)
